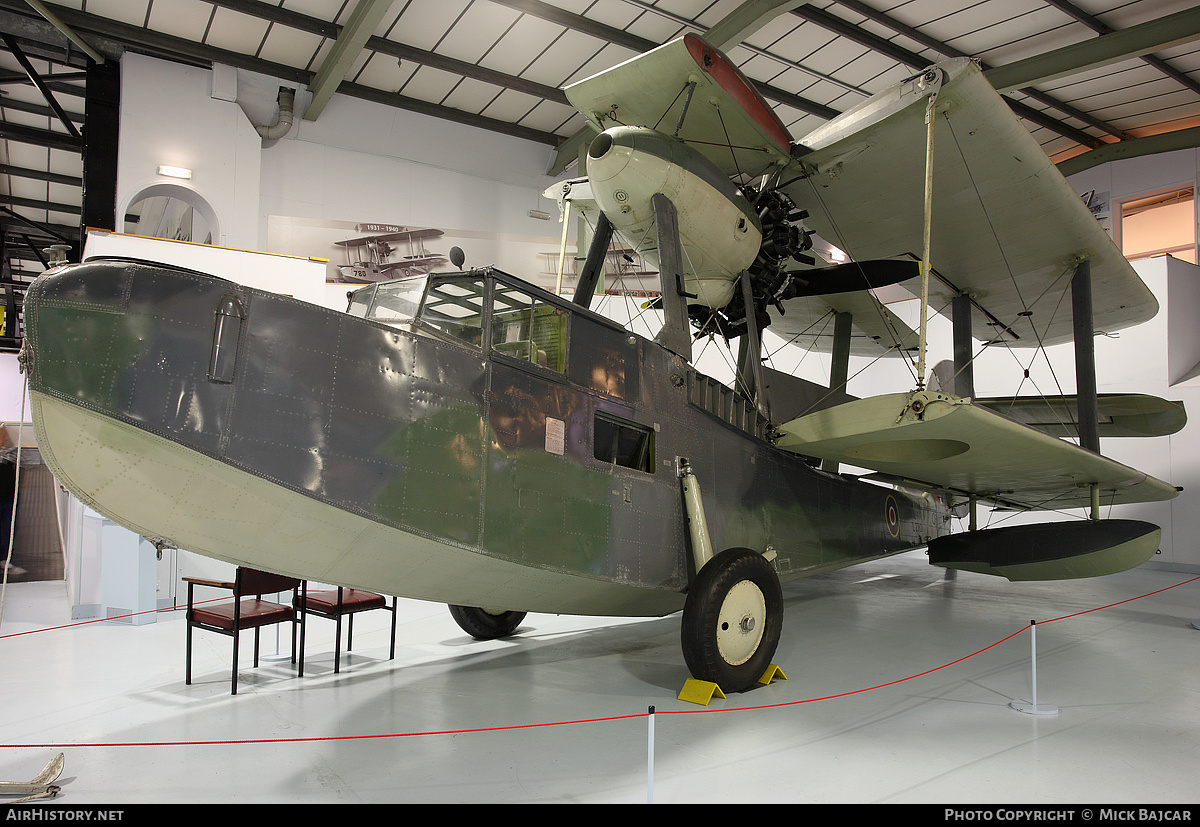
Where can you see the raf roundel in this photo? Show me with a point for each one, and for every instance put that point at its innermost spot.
(892, 515)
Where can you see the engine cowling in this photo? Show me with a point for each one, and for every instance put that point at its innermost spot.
(719, 231)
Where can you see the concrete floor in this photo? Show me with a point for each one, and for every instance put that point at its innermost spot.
(111, 697)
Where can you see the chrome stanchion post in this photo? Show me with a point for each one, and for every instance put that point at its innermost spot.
(1028, 707)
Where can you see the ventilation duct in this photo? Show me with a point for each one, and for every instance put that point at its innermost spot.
(287, 100)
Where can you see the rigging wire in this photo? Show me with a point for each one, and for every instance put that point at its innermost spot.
(843, 245)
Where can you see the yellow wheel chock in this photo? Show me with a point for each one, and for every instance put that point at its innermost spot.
(701, 692)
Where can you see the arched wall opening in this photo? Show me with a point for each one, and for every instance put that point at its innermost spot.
(171, 211)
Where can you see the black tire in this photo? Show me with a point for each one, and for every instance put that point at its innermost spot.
(484, 625)
(732, 620)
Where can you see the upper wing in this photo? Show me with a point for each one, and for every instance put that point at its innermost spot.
(1007, 228)
(941, 441)
(722, 115)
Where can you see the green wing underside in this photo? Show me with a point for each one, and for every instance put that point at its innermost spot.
(1007, 229)
(949, 444)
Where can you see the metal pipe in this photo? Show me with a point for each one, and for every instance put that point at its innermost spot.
(50, 17)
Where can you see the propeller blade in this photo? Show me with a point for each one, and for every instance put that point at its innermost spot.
(850, 277)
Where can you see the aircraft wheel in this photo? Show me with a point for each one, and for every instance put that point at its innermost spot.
(732, 620)
(484, 624)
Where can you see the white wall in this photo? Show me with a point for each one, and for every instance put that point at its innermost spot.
(168, 116)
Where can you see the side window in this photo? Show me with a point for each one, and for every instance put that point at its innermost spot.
(627, 444)
(604, 360)
(525, 328)
(455, 307)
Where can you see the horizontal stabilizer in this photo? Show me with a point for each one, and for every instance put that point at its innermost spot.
(1121, 414)
(946, 443)
(1049, 551)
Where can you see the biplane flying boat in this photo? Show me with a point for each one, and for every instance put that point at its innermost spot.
(369, 257)
(469, 438)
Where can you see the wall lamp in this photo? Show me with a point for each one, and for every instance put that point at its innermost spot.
(174, 172)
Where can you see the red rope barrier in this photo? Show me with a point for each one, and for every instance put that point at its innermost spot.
(561, 723)
(103, 619)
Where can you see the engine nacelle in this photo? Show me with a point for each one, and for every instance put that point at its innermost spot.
(719, 233)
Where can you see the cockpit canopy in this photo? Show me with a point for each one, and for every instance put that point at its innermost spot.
(493, 312)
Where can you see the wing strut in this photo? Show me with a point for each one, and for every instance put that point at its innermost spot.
(675, 335)
(593, 266)
(839, 367)
(1085, 357)
(751, 356)
(964, 370)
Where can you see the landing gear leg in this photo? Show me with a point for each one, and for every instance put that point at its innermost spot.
(483, 624)
(732, 620)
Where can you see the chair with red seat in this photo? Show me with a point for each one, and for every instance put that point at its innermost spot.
(247, 610)
(336, 604)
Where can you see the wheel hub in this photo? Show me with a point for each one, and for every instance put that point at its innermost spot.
(738, 630)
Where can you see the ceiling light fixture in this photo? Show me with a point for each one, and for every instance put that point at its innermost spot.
(174, 172)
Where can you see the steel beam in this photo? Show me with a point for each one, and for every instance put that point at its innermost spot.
(39, 137)
(1098, 25)
(746, 19)
(101, 127)
(36, 79)
(1105, 50)
(1132, 148)
(911, 59)
(349, 45)
(41, 175)
(50, 18)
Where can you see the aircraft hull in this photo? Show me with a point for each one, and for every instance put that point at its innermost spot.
(161, 489)
(257, 429)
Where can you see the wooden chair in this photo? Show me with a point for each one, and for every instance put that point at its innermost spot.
(336, 604)
(247, 610)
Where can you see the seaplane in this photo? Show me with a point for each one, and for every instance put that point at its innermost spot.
(369, 257)
(469, 438)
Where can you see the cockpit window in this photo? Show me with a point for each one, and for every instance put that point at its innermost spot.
(525, 328)
(389, 302)
(455, 307)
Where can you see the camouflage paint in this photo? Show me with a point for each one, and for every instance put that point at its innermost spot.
(438, 439)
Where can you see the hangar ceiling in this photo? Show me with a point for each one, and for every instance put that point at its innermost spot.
(1091, 79)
